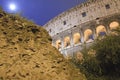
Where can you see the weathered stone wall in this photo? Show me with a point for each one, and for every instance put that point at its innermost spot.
(72, 17)
(82, 19)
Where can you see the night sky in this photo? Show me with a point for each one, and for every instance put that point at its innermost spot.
(39, 11)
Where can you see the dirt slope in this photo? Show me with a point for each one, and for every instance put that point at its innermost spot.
(26, 53)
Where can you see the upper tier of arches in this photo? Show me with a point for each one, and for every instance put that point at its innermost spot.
(83, 13)
(86, 36)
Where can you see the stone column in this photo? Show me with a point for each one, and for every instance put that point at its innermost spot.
(94, 33)
(107, 29)
(54, 43)
(71, 39)
(62, 43)
(81, 35)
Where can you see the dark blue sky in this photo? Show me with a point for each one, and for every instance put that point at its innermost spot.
(40, 11)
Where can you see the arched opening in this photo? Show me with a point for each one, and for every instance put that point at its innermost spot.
(76, 38)
(66, 41)
(101, 30)
(114, 25)
(58, 44)
(88, 35)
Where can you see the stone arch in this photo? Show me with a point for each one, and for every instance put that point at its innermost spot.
(66, 41)
(58, 44)
(101, 30)
(76, 38)
(114, 25)
(88, 35)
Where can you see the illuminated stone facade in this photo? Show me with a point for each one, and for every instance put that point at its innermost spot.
(83, 24)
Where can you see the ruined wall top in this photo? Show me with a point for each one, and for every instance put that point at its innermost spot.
(85, 4)
(80, 14)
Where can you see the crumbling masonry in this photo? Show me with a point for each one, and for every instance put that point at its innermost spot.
(83, 24)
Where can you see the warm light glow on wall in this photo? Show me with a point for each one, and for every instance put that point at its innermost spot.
(87, 34)
(114, 25)
(66, 41)
(76, 38)
(58, 44)
(100, 28)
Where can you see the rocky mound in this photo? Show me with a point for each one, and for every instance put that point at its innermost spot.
(26, 53)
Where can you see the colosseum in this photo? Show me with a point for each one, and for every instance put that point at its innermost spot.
(82, 24)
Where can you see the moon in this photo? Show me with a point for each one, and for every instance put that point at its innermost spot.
(12, 7)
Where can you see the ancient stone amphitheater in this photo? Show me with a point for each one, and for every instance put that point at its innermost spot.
(82, 24)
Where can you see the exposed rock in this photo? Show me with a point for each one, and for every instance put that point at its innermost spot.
(26, 53)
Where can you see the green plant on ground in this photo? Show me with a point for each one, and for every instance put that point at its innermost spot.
(104, 64)
(108, 54)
